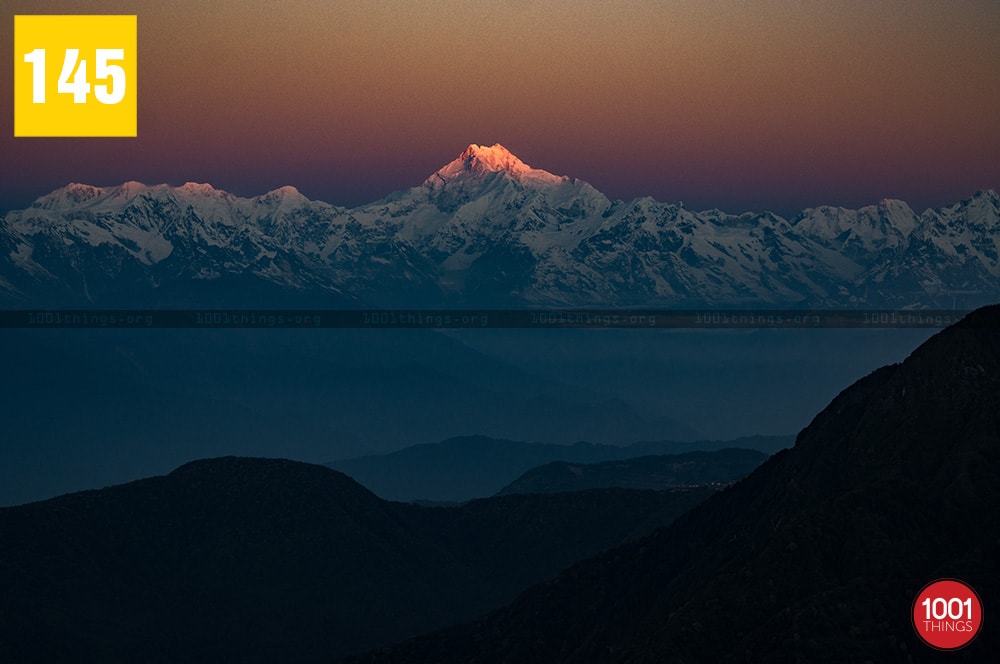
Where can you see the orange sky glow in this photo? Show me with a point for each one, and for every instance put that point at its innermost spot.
(771, 104)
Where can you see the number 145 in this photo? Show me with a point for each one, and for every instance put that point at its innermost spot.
(73, 79)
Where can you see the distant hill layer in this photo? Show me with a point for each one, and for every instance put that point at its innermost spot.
(646, 472)
(469, 467)
(92, 408)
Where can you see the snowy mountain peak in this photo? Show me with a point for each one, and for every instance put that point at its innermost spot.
(479, 160)
(494, 158)
(987, 194)
(894, 204)
(284, 197)
(199, 188)
(129, 189)
(71, 196)
(285, 193)
(77, 192)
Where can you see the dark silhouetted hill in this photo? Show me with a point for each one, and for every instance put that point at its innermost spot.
(237, 559)
(815, 557)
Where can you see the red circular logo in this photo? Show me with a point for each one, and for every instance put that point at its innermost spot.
(947, 614)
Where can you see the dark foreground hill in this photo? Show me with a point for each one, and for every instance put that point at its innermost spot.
(237, 559)
(665, 471)
(815, 557)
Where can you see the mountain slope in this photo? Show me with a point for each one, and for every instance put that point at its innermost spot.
(486, 230)
(816, 556)
(236, 559)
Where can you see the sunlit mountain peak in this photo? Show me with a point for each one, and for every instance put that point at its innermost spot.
(479, 160)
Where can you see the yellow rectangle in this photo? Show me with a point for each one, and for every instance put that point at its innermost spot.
(75, 75)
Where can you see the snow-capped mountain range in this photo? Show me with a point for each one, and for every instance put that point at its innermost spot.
(487, 230)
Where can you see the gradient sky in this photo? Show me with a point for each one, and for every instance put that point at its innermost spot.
(763, 104)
